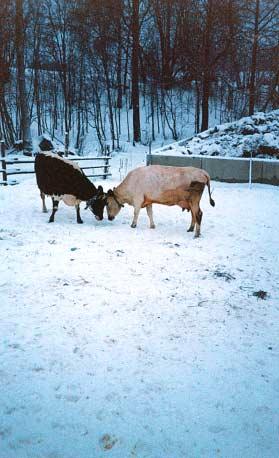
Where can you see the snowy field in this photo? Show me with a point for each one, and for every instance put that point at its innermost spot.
(120, 342)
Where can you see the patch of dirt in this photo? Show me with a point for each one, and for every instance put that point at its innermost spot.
(260, 294)
(222, 274)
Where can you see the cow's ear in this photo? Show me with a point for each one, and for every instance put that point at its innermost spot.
(110, 192)
(100, 189)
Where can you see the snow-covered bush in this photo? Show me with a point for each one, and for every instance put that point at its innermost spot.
(257, 135)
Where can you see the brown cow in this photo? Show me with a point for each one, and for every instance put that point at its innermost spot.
(182, 186)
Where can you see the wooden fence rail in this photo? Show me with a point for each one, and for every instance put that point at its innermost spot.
(5, 171)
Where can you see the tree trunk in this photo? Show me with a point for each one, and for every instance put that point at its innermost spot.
(206, 66)
(23, 106)
(119, 72)
(205, 101)
(6, 120)
(253, 68)
(135, 72)
(152, 111)
(111, 120)
(37, 86)
(119, 102)
(197, 111)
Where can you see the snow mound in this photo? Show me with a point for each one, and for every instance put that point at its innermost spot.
(256, 135)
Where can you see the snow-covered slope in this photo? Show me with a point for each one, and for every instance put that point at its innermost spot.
(257, 135)
(139, 343)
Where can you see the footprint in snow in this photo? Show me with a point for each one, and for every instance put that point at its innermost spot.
(216, 429)
(72, 398)
(107, 441)
(5, 432)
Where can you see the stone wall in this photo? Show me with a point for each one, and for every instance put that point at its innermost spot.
(231, 170)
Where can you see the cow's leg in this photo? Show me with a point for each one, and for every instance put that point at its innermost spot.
(149, 211)
(193, 222)
(137, 208)
(55, 204)
(79, 220)
(43, 197)
(198, 222)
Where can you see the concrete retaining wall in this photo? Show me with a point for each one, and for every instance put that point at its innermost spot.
(231, 170)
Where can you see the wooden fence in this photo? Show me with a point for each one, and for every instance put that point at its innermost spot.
(101, 163)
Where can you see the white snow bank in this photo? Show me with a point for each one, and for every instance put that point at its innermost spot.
(257, 135)
(139, 343)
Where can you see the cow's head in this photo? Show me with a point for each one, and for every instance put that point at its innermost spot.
(97, 204)
(113, 205)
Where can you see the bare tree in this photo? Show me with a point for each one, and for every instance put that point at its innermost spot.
(254, 58)
(92, 62)
(135, 29)
(20, 53)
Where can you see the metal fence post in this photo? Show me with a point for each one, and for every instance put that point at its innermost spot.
(3, 163)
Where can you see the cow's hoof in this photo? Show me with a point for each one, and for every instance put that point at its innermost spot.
(133, 225)
(51, 220)
(190, 229)
(152, 226)
(196, 236)
(45, 210)
(80, 221)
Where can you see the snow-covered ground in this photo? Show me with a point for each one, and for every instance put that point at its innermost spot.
(256, 135)
(120, 342)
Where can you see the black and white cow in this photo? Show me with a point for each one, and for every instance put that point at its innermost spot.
(62, 179)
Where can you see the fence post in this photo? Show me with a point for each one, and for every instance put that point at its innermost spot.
(66, 144)
(250, 170)
(107, 158)
(3, 162)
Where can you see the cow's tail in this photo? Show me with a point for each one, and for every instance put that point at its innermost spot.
(209, 192)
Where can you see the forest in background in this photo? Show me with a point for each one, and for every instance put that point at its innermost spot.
(81, 65)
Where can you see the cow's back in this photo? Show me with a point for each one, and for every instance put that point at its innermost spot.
(153, 181)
